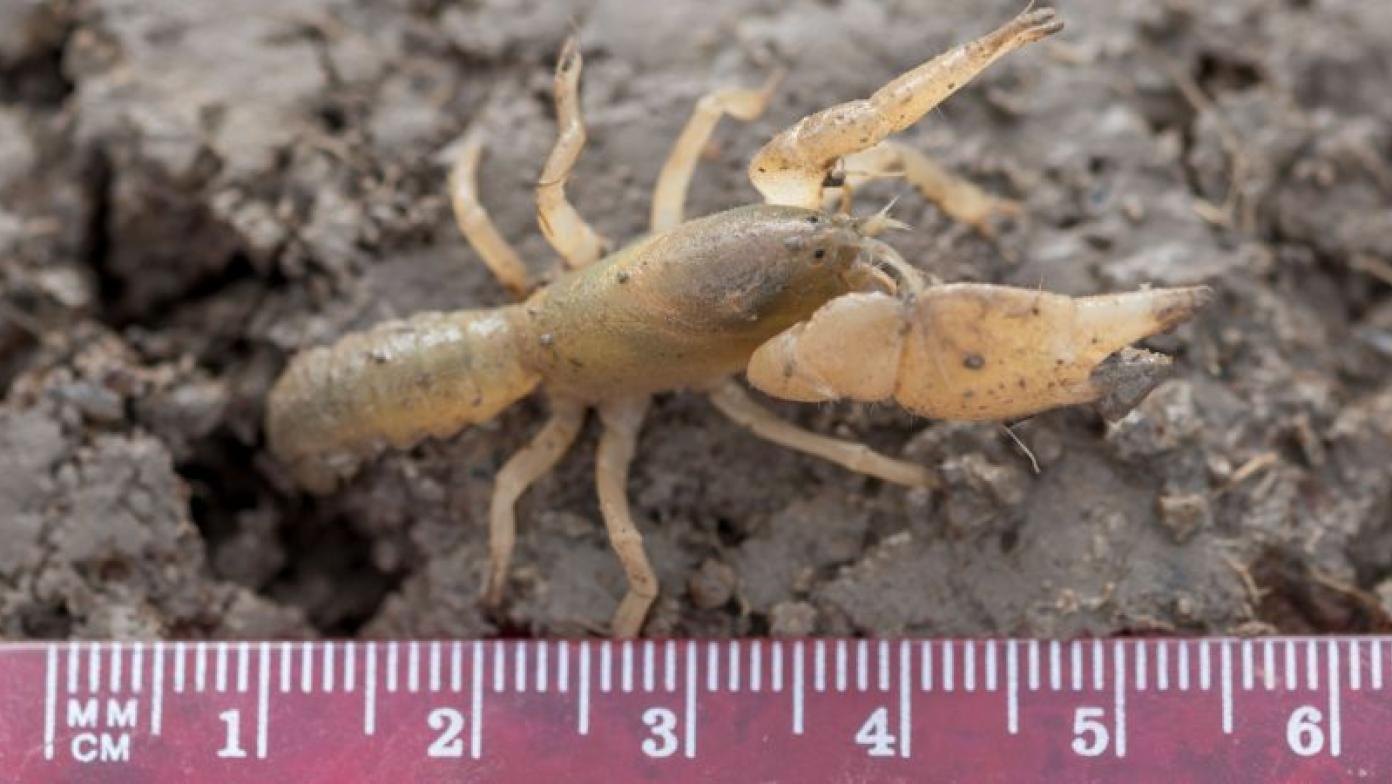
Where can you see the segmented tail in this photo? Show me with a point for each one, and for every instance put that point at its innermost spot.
(393, 386)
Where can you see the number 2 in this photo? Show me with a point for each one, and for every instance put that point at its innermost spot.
(451, 722)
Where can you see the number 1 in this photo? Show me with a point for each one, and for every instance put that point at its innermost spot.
(233, 746)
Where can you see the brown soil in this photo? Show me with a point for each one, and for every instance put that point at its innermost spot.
(191, 190)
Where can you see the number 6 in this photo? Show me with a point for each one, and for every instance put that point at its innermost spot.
(1303, 732)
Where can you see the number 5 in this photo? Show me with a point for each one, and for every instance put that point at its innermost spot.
(1090, 736)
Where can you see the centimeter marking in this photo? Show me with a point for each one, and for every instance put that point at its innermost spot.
(374, 671)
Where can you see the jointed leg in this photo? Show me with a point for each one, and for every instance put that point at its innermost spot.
(477, 227)
(563, 226)
(669, 196)
(960, 198)
(736, 404)
(520, 471)
(622, 421)
(791, 168)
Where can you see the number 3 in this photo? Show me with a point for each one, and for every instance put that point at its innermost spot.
(662, 721)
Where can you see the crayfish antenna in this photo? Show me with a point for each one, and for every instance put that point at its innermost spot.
(880, 222)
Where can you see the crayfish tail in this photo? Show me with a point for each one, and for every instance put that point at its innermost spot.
(393, 386)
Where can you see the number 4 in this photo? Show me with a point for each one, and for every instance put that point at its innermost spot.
(875, 734)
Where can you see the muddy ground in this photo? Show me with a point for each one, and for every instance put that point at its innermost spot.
(191, 190)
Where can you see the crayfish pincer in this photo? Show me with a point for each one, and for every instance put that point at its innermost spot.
(796, 292)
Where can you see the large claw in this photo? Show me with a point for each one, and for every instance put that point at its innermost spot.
(977, 352)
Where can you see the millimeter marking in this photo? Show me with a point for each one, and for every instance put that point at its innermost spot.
(1226, 651)
(94, 668)
(435, 674)
(1311, 665)
(500, 665)
(1205, 667)
(157, 691)
(626, 674)
(1034, 665)
(669, 666)
(1355, 661)
(648, 675)
(1099, 668)
(1162, 666)
(1268, 665)
(350, 666)
(306, 667)
(220, 673)
(947, 668)
(1335, 720)
(797, 688)
(606, 665)
(73, 666)
(369, 688)
(1183, 665)
(285, 668)
(326, 668)
(862, 665)
(1119, 694)
(990, 665)
(1377, 663)
(1290, 665)
(713, 667)
(756, 664)
(115, 687)
(137, 666)
(584, 701)
(1012, 685)
(1076, 661)
(476, 702)
(243, 665)
(50, 699)
(689, 746)
(263, 687)
(542, 667)
(1141, 665)
(1249, 674)
(562, 665)
(905, 705)
(734, 666)
(969, 666)
(1055, 666)
(776, 652)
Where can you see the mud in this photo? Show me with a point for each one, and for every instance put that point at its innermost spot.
(192, 190)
